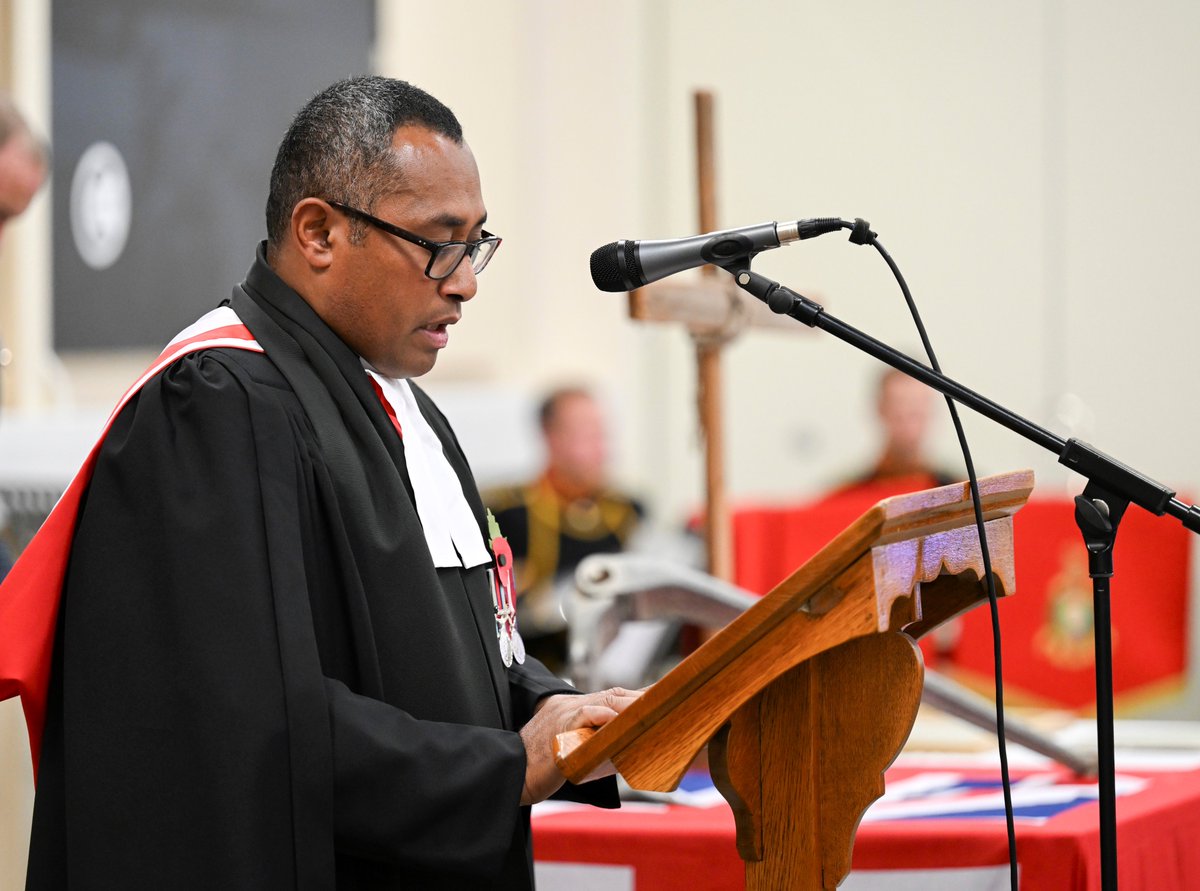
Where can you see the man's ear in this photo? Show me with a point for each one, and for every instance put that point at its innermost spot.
(314, 231)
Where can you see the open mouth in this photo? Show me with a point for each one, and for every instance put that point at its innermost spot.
(438, 334)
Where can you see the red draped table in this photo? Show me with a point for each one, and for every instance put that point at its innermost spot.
(941, 826)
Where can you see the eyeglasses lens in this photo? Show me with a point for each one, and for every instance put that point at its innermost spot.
(447, 259)
(450, 255)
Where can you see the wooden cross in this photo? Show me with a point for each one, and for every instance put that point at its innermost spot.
(715, 311)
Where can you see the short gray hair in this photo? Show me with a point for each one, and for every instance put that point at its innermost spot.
(339, 146)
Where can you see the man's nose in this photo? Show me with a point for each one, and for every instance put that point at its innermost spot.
(461, 284)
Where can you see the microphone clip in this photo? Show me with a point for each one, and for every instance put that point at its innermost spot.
(861, 232)
(780, 299)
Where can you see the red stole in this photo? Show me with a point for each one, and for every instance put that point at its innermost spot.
(30, 594)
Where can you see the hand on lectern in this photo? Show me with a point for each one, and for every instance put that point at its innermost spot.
(560, 714)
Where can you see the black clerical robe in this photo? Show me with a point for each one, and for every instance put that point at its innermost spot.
(260, 679)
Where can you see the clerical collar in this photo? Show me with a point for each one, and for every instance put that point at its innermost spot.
(451, 531)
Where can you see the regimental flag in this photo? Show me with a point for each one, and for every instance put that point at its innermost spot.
(1047, 627)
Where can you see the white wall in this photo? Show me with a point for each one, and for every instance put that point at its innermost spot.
(1029, 165)
(563, 111)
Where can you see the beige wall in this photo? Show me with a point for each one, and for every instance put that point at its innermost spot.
(564, 106)
(1031, 166)
(1026, 163)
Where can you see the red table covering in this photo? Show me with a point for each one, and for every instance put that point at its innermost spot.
(1058, 846)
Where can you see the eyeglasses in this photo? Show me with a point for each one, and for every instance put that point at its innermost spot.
(444, 256)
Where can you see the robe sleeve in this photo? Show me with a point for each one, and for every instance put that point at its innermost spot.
(425, 792)
(182, 754)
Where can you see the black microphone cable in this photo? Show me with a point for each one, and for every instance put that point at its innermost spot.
(861, 234)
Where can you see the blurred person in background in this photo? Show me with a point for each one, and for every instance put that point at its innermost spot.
(23, 163)
(567, 513)
(904, 408)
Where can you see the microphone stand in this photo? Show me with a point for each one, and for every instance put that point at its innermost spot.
(1111, 488)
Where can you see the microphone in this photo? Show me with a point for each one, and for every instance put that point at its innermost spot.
(625, 265)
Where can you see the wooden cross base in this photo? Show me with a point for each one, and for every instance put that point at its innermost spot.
(809, 695)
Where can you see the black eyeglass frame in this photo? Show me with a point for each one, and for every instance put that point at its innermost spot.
(470, 248)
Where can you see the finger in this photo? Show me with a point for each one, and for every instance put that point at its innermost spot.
(618, 698)
(591, 716)
(624, 693)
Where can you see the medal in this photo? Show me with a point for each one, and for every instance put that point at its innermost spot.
(504, 596)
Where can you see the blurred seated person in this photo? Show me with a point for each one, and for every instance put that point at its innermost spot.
(23, 163)
(905, 408)
(24, 166)
(567, 513)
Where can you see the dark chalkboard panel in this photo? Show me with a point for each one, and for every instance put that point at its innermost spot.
(191, 99)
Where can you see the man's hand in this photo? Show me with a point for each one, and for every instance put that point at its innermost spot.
(558, 714)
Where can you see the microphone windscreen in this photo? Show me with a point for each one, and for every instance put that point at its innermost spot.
(606, 268)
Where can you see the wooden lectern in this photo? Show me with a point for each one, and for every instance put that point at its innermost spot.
(807, 697)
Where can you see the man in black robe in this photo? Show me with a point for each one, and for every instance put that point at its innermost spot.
(261, 677)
